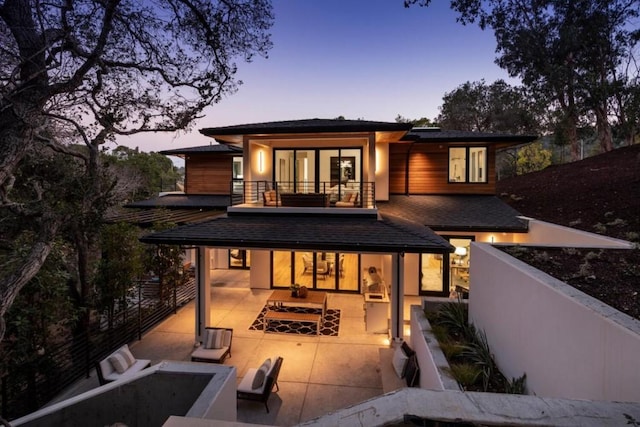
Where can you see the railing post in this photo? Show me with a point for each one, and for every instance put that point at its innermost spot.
(139, 310)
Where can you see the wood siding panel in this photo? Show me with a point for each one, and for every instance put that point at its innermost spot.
(428, 171)
(208, 174)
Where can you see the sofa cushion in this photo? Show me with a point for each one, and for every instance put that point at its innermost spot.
(119, 362)
(399, 362)
(126, 353)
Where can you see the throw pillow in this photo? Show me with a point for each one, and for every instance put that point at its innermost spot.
(261, 374)
(126, 353)
(214, 339)
(399, 362)
(118, 362)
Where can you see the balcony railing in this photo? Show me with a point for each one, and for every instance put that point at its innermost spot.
(304, 194)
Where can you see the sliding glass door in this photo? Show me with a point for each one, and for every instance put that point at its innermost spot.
(316, 270)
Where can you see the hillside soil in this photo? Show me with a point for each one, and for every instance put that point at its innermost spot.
(600, 194)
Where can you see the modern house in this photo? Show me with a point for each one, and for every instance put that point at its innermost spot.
(322, 202)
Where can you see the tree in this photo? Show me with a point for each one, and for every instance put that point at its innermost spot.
(533, 157)
(82, 72)
(421, 122)
(567, 52)
(499, 107)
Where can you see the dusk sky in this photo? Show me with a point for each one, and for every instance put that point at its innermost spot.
(362, 59)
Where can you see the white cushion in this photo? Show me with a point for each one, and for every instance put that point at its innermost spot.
(399, 362)
(119, 362)
(126, 353)
(214, 338)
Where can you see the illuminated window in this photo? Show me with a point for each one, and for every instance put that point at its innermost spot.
(468, 164)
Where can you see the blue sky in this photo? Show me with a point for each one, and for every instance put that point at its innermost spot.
(367, 59)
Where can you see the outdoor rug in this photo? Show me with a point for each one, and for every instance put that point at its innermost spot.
(330, 326)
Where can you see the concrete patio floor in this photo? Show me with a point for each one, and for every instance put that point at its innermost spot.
(318, 375)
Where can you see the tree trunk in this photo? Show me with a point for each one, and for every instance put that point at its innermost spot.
(11, 285)
(604, 129)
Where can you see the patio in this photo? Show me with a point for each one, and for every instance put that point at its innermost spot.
(320, 374)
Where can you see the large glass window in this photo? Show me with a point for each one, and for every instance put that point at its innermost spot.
(316, 270)
(468, 164)
(295, 170)
(447, 274)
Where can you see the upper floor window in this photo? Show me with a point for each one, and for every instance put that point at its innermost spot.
(468, 164)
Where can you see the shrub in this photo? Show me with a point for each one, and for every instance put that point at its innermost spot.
(479, 353)
(465, 374)
(516, 385)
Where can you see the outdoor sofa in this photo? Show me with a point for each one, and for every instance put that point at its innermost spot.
(118, 365)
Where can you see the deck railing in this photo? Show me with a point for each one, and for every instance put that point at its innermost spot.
(252, 192)
(33, 384)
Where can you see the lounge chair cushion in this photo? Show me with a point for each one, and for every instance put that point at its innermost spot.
(119, 363)
(399, 362)
(214, 338)
(261, 374)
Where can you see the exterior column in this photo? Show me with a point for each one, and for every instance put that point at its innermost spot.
(397, 296)
(203, 290)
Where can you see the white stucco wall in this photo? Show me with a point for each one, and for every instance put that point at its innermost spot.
(569, 344)
(382, 172)
(260, 273)
(545, 233)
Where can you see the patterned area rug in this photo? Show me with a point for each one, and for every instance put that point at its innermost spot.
(330, 326)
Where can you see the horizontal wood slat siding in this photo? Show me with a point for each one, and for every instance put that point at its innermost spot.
(208, 174)
(428, 169)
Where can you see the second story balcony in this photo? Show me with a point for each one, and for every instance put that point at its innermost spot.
(303, 196)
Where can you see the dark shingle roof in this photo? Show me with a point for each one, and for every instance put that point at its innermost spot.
(211, 148)
(343, 233)
(439, 135)
(187, 201)
(456, 213)
(150, 217)
(308, 126)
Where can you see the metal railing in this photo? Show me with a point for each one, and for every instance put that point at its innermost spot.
(33, 384)
(252, 192)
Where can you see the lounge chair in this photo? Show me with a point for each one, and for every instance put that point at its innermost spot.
(215, 347)
(257, 384)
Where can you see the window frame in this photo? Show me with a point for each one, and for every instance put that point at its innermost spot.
(467, 163)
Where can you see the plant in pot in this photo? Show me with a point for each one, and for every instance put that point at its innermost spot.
(295, 288)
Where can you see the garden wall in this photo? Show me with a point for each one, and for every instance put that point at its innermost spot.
(543, 233)
(431, 360)
(569, 344)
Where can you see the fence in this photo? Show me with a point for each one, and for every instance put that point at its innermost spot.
(35, 383)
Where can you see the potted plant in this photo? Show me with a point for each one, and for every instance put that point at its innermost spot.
(295, 288)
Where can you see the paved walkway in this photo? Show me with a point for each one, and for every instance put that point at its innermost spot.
(318, 375)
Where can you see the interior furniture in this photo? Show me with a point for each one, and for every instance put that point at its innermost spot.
(304, 199)
(215, 346)
(349, 199)
(270, 198)
(118, 365)
(307, 261)
(281, 297)
(258, 383)
(322, 268)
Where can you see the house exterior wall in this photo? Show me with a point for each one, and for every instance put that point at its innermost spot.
(428, 168)
(382, 172)
(208, 174)
(569, 344)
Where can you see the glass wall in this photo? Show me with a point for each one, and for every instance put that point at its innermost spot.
(317, 270)
(239, 258)
(295, 170)
(432, 274)
(318, 170)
